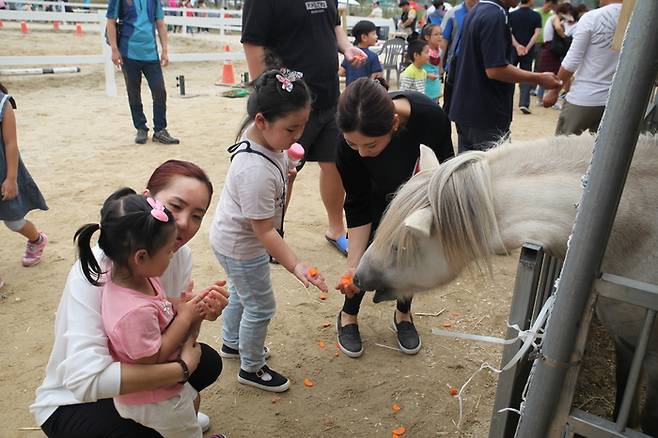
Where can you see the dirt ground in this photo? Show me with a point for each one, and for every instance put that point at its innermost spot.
(78, 145)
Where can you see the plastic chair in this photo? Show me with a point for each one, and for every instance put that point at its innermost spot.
(393, 55)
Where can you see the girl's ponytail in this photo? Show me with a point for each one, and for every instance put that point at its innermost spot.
(90, 267)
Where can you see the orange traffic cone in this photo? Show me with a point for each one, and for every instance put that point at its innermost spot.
(228, 75)
(56, 25)
(78, 29)
(23, 27)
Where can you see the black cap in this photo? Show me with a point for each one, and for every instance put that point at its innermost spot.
(403, 3)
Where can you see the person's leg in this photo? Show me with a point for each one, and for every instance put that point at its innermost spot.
(320, 139)
(36, 242)
(464, 142)
(408, 339)
(595, 116)
(153, 74)
(485, 138)
(97, 419)
(575, 119)
(232, 313)
(132, 74)
(525, 63)
(347, 328)
(209, 368)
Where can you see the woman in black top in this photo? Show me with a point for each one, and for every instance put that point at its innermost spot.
(377, 152)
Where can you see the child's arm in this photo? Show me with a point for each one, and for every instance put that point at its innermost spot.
(341, 71)
(9, 188)
(277, 248)
(177, 332)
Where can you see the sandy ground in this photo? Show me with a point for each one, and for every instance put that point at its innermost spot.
(78, 144)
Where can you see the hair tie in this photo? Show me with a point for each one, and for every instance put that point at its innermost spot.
(287, 77)
(158, 210)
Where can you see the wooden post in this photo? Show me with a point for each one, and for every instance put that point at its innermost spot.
(342, 11)
(624, 17)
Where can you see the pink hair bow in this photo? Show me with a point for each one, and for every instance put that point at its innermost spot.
(287, 77)
(158, 211)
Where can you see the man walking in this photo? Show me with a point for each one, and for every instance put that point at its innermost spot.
(592, 59)
(135, 50)
(484, 85)
(526, 27)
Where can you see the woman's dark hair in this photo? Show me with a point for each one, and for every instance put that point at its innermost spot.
(164, 173)
(127, 226)
(271, 98)
(3, 88)
(366, 107)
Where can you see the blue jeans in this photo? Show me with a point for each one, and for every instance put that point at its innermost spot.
(525, 63)
(251, 306)
(132, 73)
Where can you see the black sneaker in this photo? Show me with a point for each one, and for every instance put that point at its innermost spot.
(142, 136)
(525, 110)
(265, 379)
(408, 339)
(163, 137)
(349, 338)
(231, 353)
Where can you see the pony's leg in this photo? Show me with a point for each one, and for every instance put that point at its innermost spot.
(650, 411)
(624, 355)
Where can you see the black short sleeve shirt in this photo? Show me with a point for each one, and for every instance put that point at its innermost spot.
(524, 21)
(371, 182)
(486, 42)
(302, 34)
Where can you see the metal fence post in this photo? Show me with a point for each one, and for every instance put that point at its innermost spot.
(613, 153)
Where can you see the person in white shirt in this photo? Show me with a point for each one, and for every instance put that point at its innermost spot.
(593, 62)
(75, 398)
(376, 10)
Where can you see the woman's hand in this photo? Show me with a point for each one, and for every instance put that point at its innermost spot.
(191, 354)
(9, 189)
(347, 288)
(301, 271)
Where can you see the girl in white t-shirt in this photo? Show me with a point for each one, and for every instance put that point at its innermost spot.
(248, 222)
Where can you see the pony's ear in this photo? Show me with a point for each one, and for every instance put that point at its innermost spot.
(420, 222)
(428, 160)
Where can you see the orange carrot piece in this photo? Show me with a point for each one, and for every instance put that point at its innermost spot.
(396, 407)
(447, 324)
(326, 324)
(399, 431)
(345, 280)
(309, 383)
(322, 297)
(312, 272)
(454, 392)
(321, 344)
(336, 354)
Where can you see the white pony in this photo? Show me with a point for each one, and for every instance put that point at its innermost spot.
(455, 216)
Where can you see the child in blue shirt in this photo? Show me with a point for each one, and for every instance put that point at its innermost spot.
(365, 35)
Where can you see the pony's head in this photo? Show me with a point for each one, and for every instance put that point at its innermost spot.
(441, 221)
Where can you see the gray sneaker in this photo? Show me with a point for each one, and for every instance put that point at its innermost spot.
(142, 136)
(163, 137)
(349, 338)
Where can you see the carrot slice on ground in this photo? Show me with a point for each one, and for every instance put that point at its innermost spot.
(396, 407)
(447, 324)
(326, 324)
(312, 272)
(336, 354)
(453, 392)
(322, 297)
(321, 344)
(309, 383)
(399, 431)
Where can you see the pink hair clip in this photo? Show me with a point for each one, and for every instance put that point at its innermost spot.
(287, 77)
(158, 211)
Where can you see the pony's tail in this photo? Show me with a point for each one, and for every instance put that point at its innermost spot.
(90, 267)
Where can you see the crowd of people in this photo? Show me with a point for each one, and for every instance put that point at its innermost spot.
(125, 357)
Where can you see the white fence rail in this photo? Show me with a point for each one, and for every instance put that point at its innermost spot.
(105, 57)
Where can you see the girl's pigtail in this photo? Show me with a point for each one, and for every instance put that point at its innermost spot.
(90, 267)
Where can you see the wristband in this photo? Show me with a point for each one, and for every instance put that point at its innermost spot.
(186, 371)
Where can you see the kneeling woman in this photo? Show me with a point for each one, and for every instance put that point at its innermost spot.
(75, 398)
(377, 152)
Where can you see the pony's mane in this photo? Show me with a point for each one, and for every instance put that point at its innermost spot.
(459, 194)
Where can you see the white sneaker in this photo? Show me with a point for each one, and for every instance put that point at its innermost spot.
(204, 421)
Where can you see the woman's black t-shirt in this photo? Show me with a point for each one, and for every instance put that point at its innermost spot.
(370, 182)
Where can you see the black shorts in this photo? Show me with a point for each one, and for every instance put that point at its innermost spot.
(320, 137)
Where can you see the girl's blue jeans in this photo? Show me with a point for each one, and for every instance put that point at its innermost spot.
(250, 308)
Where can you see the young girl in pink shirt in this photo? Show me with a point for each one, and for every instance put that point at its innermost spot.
(138, 239)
